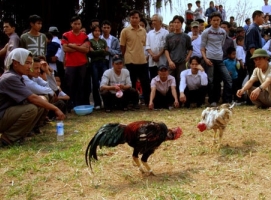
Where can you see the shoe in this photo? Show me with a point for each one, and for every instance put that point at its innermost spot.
(97, 107)
(136, 106)
(125, 109)
(4, 141)
(214, 104)
(170, 107)
(108, 111)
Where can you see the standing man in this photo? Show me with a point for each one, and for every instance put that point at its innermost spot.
(34, 40)
(156, 39)
(132, 42)
(112, 42)
(253, 39)
(75, 45)
(188, 17)
(178, 49)
(212, 41)
(248, 22)
(210, 10)
(222, 12)
(9, 27)
(266, 8)
(196, 40)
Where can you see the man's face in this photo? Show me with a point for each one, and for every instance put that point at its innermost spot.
(35, 70)
(163, 73)
(76, 25)
(266, 2)
(215, 22)
(171, 27)
(23, 69)
(177, 24)
(156, 23)
(8, 29)
(259, 19)
(195, 30)
(106, 29)
(225, 27)
(261, 62)
(135, 19)
(118, 66)
(36, 26)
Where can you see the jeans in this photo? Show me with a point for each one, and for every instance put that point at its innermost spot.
(97, 70)
(216, 73)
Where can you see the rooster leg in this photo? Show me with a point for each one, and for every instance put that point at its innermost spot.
(144, 160)
(220, 137)
(137, 162)
(215, 139)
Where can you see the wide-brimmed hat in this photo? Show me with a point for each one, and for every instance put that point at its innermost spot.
(259, 53)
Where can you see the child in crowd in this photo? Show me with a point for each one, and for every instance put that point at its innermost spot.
(231, 65)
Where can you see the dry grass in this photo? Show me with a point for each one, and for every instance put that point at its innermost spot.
(185, 168)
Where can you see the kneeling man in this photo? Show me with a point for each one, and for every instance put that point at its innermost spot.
(260, 96)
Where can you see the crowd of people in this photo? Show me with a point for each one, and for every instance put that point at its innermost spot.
(44, 76)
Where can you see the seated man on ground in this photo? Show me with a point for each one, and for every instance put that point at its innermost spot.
(193, 84)
(163, 90)
(41, 87)
(260, 96)
(20, 109)
(116, 87)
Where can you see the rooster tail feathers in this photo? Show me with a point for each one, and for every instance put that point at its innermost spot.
(109, 135)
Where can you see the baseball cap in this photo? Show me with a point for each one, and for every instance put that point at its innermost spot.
(162, 67)
(194, 23)
(53, 29)
(117, 59)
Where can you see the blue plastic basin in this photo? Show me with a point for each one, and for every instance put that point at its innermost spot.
(83, 110)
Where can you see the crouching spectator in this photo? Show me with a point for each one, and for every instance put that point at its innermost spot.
(193, 84)
(163, 90)
(260, 96)
(116, 87)
(20, 109)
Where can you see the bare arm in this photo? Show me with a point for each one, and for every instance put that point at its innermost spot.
(152, 95)
(123, 49)
(174, 93)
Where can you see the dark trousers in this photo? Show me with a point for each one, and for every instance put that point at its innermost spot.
(163, 101)
(140, 71)
(87, 86)
(75, 82)
(177, 73)
(216, 73)
(153, 72)
(97, 70)
(110, 100)
(195, 96)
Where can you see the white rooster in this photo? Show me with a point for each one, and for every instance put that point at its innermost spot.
(216, 118)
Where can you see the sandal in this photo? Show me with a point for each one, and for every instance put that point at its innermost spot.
(108, 111)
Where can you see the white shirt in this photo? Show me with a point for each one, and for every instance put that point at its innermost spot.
(38, 85)
(266, 47)
(192, 81)
(90, 36)
(60, 52)
(266, 9)
(240, 53)
(108, 41)
(196, 46)
(156, 42)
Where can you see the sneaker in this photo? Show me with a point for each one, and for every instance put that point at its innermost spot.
(214, 104)
(97, 107)
(170, 107)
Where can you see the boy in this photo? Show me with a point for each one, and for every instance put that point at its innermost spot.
(34, 40)
(230, 63)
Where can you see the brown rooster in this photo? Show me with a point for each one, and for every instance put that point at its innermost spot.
(143, 136)
(216, 118)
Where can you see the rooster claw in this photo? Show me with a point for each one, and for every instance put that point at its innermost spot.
(151, 174)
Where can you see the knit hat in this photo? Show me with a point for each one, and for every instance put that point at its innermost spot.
(259, 53)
